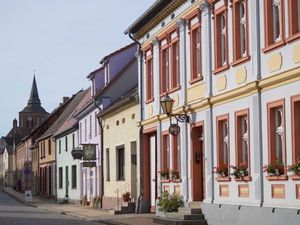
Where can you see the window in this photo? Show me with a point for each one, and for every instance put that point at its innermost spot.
(85, 129)
(221, 47)
(120, 163)
(223, 140)
(276, 131)
(175, 63)
(66, 143)
(294, 18)
(274, 24)
(242, 138)
(107, 165)
(295, 101)
(59, 146)
(49, 147)
(170, 63)
(195, 42)
(90, 135)
(44, 149)
(73, 140)
(165, 151)
(149, 75)
(176, 153)
(60, 177)
(96, 124)
(240, 23)
(164, 70)
(74, 177)
(80, 132)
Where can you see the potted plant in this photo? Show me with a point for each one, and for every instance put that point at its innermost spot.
(274, 169)
(239, 172)
(221, 170)
(126, 196)
(174, 174)
(170, 202)
(164, 174)
(295, 168)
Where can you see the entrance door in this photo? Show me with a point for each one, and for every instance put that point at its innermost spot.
(152, 149)
(197, 163)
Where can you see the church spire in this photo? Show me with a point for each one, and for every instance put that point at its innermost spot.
(34, 94)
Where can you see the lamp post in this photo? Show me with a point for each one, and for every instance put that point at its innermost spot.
(166, 104)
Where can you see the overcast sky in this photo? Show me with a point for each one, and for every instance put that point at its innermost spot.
(63, 40)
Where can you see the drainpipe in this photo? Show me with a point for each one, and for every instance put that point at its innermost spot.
(101, 151)
(258, 38)
(139, 207)
(210, 94)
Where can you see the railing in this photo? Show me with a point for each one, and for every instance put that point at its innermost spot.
(120, 191)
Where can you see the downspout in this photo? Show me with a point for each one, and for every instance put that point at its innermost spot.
(259, 104)
(210, 94)
(101, 152)
(139, 208)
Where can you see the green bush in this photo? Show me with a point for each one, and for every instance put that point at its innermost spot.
(170, 203)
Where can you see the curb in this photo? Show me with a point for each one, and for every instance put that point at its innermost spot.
(108, 222)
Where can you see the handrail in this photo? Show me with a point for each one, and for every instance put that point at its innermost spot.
(120, 191)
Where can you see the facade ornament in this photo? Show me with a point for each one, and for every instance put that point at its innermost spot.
(181, 23)
(205, 7)
(155, 41)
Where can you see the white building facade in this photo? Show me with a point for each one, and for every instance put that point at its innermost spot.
(233, 68)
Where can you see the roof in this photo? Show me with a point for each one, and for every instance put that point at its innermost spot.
(34, 103)
(128, 97)
(69, 122)
(114, 79)
(76, 98)
(104, 59)
(151, 18)
(55, 113)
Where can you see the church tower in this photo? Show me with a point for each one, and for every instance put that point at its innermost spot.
(33, 114)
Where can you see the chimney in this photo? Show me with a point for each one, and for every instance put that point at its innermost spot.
(65, 99)
(15, 123)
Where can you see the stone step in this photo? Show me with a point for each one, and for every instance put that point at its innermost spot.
(169, 221)
(182, 216)
(195, 204)
(188, 210)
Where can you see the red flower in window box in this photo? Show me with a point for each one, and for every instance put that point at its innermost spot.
(274, 169)
(221, 170)
(295, 168)
(239, 171)
(164, 174)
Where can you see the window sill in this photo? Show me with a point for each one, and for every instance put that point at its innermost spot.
(273, 46)
(295, 177)
(174, 89)
(223, 179)
(293, 37)
(275, 178)
(165, 181)
(120, 180)
(194, 80)
(240, 60)
(149, 100)
(220, 69)
(176, 180)
(243, 179)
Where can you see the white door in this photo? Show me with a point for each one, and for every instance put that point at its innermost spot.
(153, 169)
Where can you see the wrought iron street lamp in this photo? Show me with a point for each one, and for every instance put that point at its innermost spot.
(166, 104)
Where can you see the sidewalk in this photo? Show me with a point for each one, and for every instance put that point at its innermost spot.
(83, 212)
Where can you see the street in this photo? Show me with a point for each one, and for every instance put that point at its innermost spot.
(13, 212)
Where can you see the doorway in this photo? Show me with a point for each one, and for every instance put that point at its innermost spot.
(197, 157)
(149, 169)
